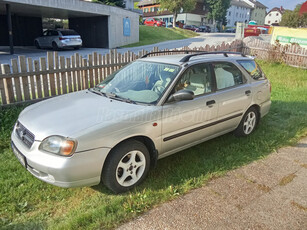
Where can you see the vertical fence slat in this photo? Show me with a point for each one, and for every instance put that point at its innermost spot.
(25, 82)
(58, 75)
(38, 79)
(50, 59)
(32, 83)
(84, 74)
(79, 73)
(44, 77)
(8, 86)
(70, 74)
(74, 75)
(95, 59)
(63, 75)
(18, 91)
(2, 91)
(91, 70)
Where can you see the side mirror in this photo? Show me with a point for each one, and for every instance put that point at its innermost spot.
(182, 95)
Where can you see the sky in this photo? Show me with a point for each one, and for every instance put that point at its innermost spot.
(287, 4)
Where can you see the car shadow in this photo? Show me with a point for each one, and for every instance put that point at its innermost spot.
(195, 165)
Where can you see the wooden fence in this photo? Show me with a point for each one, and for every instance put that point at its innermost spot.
(293, 55)
(25, 80)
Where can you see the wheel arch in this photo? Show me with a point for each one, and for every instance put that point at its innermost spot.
(257, 107)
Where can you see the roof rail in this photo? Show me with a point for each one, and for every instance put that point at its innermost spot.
(173, 51)
(225, 53)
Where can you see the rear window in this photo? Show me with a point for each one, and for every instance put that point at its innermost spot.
(68, 32)
(253, 69)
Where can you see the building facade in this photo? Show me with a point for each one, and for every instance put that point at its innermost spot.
(274, 16)
(258, 11)
(151, 8)
(239, 11)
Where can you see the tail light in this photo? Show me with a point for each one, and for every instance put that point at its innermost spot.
(61, 38)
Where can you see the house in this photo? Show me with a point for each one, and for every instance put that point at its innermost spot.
(151, 8)
(274, 16)
(239, 11)
(258, 11)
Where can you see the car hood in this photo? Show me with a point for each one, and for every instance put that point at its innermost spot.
(71, 113)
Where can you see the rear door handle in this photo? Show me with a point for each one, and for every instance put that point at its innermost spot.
(210, 103)
(248, 92)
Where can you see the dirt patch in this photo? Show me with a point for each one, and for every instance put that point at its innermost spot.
(301, 207)
(304, 166)
(287, 179)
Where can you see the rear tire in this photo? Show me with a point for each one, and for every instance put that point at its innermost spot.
(248, 123)
(55, 46)
(126, 166)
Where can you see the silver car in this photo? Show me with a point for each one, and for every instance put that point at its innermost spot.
(150, 109)
(59, 39)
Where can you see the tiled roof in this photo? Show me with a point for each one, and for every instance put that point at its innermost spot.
(147, 2)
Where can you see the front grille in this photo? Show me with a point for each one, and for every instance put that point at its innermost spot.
(24, 135)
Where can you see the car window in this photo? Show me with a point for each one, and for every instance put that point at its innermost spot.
(68, 32)
(197, 78)
(253, 69)
(45, 33)
(227, 75)
(141, 81)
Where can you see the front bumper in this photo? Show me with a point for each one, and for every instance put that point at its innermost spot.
(81, 169)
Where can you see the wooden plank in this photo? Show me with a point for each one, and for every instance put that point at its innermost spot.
(43, 66)
(63, 75)
(2, 91)
(8, 86)
(79, 75)
(25, 80)
(17, 79)
(71, 80)
(38, 79)
(95, 59)
(32, 83)
(104, 59)
(84, 74)
(111, 61)
(50, 61)
(90, 71)
(107, 62)
(57, 75)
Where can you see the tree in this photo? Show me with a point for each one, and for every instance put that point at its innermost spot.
(119, 3)
(293, 18)
(177, 6)
(217, 10)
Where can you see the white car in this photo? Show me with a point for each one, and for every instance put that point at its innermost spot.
(59, 39)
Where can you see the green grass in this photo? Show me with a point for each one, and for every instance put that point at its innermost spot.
(151, 35)
(27, 203)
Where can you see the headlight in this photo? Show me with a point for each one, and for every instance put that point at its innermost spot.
(59, 145)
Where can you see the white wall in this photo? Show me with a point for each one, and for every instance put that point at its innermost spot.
(273, 17)
(237, 14)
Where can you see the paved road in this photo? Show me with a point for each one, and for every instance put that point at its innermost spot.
(267, 194)
(202, 40)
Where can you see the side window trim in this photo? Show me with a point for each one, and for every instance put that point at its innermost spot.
(230, 87)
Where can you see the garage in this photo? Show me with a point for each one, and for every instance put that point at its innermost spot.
(100, 26)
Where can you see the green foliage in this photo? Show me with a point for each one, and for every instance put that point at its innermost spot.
(294, 19)
(119, 3)
(217, 10)
(151, 35)
(176, 6)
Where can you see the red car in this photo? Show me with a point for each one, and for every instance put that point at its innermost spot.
(154, 22)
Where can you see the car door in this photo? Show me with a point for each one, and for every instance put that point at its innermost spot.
(233, 95)
(42, 40)
(185, 123)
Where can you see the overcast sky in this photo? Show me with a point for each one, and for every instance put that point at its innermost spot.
(287, 4)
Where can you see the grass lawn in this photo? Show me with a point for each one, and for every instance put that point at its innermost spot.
(26, 202)
(151, 35)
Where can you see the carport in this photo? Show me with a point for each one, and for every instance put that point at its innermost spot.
(100, 26)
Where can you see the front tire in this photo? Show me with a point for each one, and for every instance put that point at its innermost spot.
(37, 45)
(248, 123)
(55, 46)
(126, 166)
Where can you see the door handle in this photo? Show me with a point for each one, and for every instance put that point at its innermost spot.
(210, 103)
(248, 92)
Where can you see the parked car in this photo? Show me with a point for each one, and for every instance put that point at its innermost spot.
(154, 22)
(148, 110)
(230, 30)
(59, 39)
(206, 29)
(191, 27)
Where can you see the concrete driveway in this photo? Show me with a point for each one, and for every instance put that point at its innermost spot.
(202, 40)
(267, 194)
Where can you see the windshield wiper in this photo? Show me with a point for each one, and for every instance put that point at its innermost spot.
(116, 97)
(95, 90)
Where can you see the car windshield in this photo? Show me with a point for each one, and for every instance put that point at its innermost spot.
(139, 82)
(157, 19)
